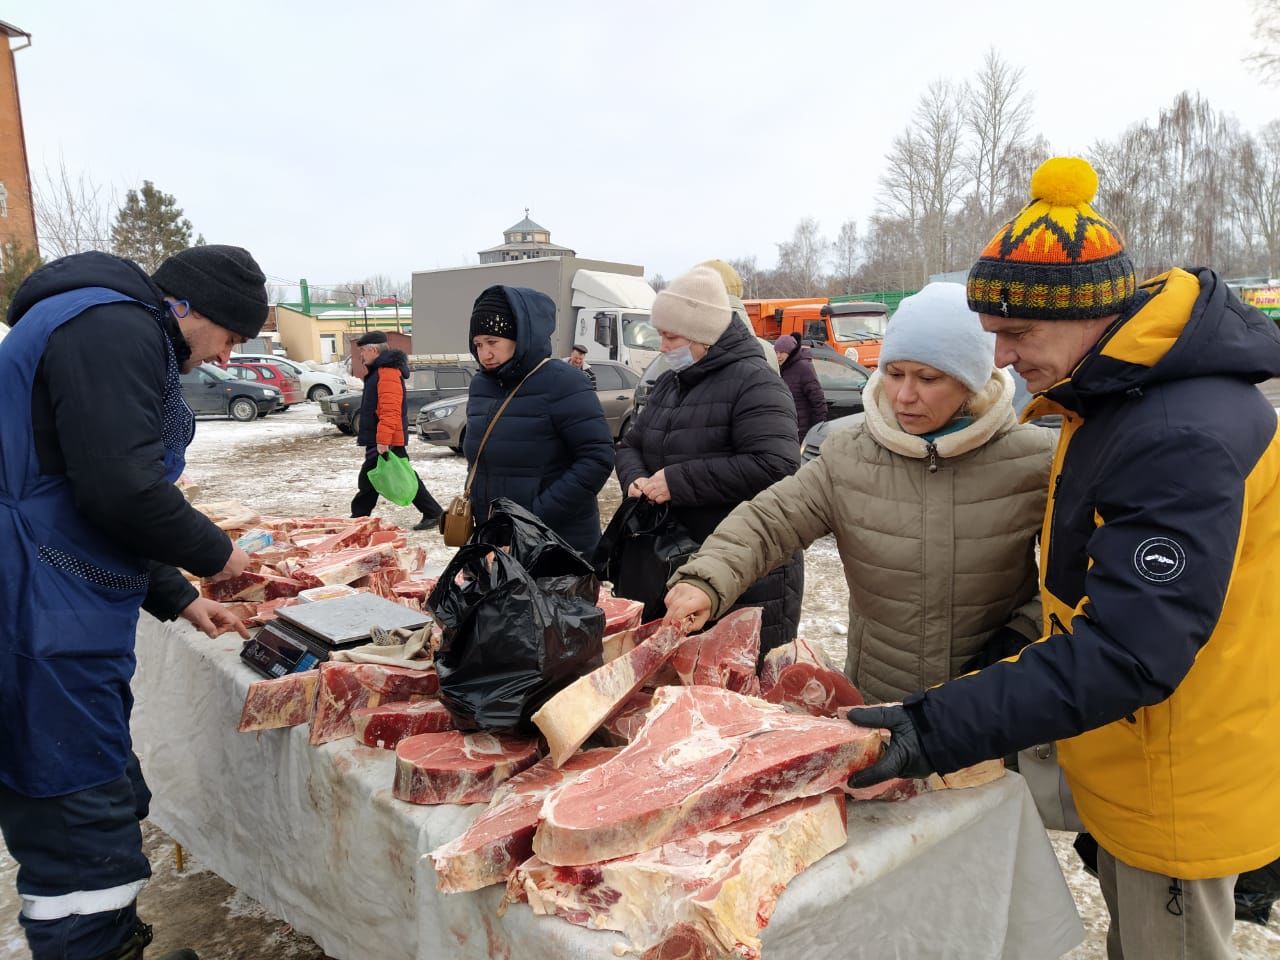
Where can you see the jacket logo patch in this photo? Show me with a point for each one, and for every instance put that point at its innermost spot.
(1159, 560)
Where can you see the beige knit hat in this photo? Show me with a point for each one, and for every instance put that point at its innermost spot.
(694, 306)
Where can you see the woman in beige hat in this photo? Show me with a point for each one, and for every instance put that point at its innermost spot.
(719, 427)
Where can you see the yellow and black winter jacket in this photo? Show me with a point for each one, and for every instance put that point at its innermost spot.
(1159, 670)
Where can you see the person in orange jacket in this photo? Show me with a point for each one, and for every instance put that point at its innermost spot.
(384, 424)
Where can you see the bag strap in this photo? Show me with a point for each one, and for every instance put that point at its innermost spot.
(471, 474)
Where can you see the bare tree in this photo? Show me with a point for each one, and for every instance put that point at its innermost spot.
(801, 259)
(1258, 193)
(926, 175)
(1266, 28)
(658, 282)
(997, 117)
(72, 212)
(846, 253)
(751, 276)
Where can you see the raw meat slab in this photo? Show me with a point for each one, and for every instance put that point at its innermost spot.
(798, 650)
(817, 691)
(283, 702)
(706, 757)
(457, 767)
(386, 725)
(621, 728)
(502, 837)
(902, 788)
(573, 714)
(620, 614)
(720, 886)
(345, 687)
(724, 656)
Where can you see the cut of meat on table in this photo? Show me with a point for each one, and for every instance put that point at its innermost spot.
(681, 942)
(706, 757)
(901, 788)
(620, 613)
(577, 711)
(502, 837)
(621, 728)
(458, 767)
(283, 702)
(348, 565)
(724, 656)
(386, 725)
(720, 886)
(250, 587)
(817, 691)
(345, 687)
(798, 650)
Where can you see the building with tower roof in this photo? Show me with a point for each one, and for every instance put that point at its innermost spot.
(525, 240)
(17, 214)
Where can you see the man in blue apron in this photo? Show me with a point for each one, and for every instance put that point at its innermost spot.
(93, 434)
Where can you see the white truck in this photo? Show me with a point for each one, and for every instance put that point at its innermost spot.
(601, 305)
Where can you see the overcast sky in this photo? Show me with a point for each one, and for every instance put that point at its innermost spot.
(337, 140)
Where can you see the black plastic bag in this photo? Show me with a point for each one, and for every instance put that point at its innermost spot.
(1256, 892)
(521, 626)
(640, 550)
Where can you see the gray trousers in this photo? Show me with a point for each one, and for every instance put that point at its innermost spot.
(1152, 920)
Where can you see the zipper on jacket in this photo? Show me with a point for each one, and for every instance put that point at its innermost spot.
(933, 457)
(1057, 482)
(1058, 624)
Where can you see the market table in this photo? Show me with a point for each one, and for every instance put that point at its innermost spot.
(314, 835)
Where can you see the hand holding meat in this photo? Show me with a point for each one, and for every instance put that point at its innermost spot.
(687, 605)
(903, 757)
(212, 618)
(236, 564)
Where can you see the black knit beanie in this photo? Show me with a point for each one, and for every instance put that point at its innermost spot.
(492, 315)
(224, 283)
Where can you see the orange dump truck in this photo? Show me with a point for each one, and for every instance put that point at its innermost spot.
(854, 329)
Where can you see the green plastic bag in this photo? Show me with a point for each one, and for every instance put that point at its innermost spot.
(393, 477)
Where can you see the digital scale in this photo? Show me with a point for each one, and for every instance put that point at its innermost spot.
(304, 635)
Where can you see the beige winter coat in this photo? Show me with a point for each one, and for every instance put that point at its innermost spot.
(936, 559)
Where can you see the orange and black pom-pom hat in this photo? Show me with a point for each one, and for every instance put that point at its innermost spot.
(1058, 259)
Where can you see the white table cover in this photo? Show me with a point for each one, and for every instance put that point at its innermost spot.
(314, 834)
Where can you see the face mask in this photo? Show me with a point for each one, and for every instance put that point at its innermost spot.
(681, 358)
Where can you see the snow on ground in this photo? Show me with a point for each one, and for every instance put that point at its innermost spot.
(294, 464)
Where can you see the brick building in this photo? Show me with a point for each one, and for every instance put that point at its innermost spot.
(17, 213)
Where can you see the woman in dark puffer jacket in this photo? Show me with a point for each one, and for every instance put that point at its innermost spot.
(718, 428)
(796, 367)
(551, 451)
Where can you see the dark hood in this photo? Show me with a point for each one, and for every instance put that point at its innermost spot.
(390, 358)
(1184, 324)
(736, 345)
(535, 316)
(93, 269)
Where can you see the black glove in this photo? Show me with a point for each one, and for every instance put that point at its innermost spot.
(903, 757)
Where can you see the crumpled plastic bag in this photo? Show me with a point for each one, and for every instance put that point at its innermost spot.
(394, 479)
(520, 626)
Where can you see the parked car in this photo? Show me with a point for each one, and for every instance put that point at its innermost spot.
(211, 391)
(429, 381)
(271, 375)
(316, 384)
(841, 379)
(444, 422)
(820, 431)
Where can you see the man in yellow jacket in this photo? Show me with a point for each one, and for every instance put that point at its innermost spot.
(1159, 668)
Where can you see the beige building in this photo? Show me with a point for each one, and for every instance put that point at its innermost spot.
(320, 331)
(524, 241)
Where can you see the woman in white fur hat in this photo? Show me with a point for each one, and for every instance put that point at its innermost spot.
(719, 427)
(935, 497)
